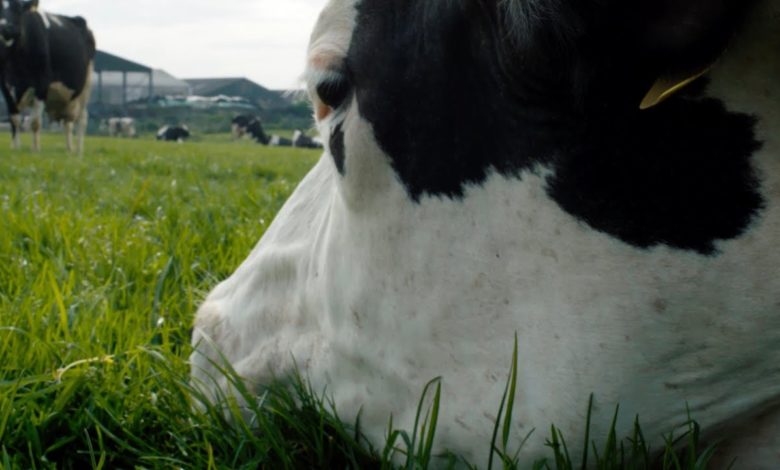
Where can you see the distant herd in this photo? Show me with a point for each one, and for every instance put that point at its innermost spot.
(250, 125)
(243, 125)
(45, 64)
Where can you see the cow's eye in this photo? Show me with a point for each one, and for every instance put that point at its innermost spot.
(334, 90)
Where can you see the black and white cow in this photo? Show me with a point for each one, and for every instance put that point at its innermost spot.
(279, 141)
(49, 66)
(600, 178)
(178, 133)
(300, 139)
(121, 127)
(239, 124)
(249, 124)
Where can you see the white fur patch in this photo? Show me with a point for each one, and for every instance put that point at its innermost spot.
(45, 18)
(54, 19)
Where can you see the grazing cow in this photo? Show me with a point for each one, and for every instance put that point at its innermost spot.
(600, 178)
(249, 124)
(300, 139)
(239, 124)
(173, 133)
(121, 127)
(279, 141)
(49, 67)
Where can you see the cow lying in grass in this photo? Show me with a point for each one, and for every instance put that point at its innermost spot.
(250, 124)
(601, 178)
(241, 125)
(178, 133)
(120, 127)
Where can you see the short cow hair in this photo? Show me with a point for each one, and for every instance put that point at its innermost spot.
(675, 34)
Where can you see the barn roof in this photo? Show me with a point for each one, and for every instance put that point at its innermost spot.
(238, 86)
(105, 62)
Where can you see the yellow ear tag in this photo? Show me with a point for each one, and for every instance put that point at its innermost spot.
(665, 87)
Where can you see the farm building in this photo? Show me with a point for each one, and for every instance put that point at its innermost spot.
(123, 87)
(118, 81)
(243, 87)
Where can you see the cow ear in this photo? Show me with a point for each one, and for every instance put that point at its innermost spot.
(681, 39)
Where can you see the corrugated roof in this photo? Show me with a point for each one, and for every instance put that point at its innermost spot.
(237, 86)
(209, 86)
(105, 62)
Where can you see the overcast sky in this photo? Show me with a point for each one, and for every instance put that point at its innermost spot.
(264, 40)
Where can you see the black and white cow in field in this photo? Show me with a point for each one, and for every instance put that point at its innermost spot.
(301, 140)
(121, 127)
(280, 141)
(249, 124)
(178, 133)
(600, 178)
(49, 67)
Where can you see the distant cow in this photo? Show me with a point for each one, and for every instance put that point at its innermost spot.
(48, 66)
(121, 127)
(279, 141)
(249, 124)
(239, 124)
(173, 133)
(300, 139)
(598, 179)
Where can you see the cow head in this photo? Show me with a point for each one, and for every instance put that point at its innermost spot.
(467, 88)
(9, 15)
(11, 12)
(562, 169)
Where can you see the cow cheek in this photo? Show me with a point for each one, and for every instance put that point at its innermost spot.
(367, 179)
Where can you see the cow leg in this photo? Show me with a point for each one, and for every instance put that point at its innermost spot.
(82, 122)
(68, 126)
(83, 114)
(16, 131)
(35, 124)
(13, 112)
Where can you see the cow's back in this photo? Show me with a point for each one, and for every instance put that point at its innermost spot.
(72, 49)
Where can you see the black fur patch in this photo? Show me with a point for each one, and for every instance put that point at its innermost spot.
(451, 98)
(41, 56)
(678, 175)
(337, 147)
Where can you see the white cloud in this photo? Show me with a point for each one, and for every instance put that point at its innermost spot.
(264, 40)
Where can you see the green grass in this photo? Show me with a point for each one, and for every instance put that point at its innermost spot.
(103, 261)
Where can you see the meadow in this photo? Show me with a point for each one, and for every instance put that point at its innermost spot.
(103, 262)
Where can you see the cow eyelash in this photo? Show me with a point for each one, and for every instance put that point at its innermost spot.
(334, 89)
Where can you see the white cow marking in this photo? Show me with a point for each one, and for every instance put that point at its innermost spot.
(45, 17)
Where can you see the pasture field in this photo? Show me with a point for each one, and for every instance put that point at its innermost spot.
(103, 262)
